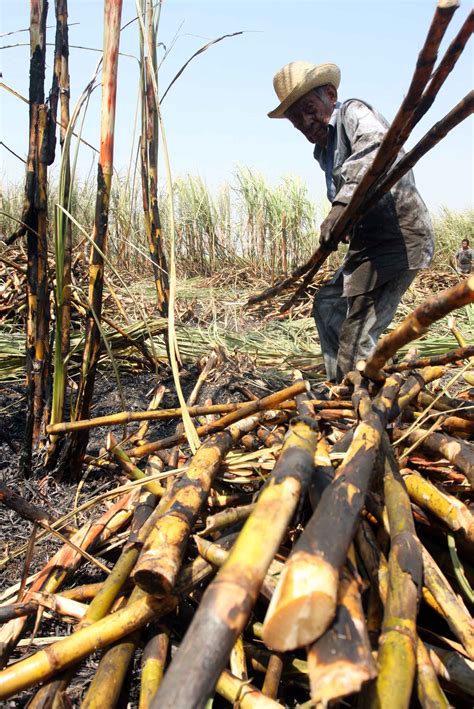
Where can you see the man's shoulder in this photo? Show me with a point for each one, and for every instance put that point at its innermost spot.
(358, 109)
(355, 104)
(356, 112)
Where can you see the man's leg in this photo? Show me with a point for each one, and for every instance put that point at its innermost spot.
(329, 312)
(368, 316)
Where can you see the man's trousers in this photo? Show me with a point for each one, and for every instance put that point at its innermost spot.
(349, 327)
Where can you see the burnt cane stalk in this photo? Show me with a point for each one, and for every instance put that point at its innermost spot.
(341, 660)
(65, 561)
(35, 218)
(397, 646)
(157, 568)
(447, 358)
(458, 452)
(73, 648)
(154, 658)
(62, 224)
(149, 162)
(49, 695)
(228, 601)
(92, 345)
(304, 603)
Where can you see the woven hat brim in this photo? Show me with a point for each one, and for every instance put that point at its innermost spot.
(326, 74)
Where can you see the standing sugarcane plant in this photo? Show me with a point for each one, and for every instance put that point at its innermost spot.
(149, 157)
(62, 225)
(92, 346)
(35, 219)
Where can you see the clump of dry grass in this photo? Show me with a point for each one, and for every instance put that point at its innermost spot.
(245, 224)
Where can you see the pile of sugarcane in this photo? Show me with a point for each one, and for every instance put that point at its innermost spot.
(288, 550)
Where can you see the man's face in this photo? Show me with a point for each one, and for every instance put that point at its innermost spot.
(310, 115)
(465, 245)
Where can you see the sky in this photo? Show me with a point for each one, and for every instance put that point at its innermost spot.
(216, 114)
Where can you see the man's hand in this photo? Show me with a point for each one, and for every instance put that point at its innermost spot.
(325, 240)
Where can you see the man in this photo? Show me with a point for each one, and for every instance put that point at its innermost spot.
(464, 258)
(388, 245)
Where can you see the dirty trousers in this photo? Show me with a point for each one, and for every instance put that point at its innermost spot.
(349, 327)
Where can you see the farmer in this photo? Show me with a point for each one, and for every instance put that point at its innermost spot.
(464, 258)
(389, 244)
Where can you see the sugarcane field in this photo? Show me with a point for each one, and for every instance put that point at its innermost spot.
(236, 371)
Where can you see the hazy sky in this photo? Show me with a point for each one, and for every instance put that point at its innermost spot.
(215, 115)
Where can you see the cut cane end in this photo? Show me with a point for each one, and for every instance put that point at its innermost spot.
(360, 365)
(152, 582)
(299, 622)
(447, 4)
(304, 603)
(332, 682)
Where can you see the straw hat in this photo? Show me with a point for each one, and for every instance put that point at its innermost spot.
(297, 78)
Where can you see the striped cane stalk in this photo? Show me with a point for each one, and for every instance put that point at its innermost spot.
(228, 601)
(304, 603)
(397, 646)
(341, 660)
(159, 563)
(149, 158)
(153, 665)
(62, 224)
(92, 345)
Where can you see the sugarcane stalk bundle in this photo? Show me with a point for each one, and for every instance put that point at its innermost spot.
(311, 582)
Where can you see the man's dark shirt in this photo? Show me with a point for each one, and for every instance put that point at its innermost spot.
(396, 234)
